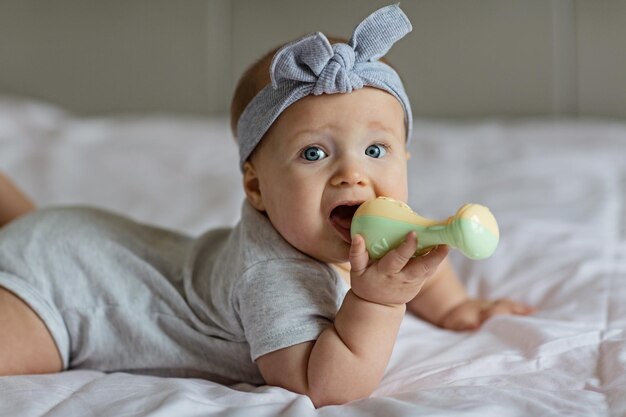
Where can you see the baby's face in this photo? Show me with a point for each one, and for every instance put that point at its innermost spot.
(323, 157)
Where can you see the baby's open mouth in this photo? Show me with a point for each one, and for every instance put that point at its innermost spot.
(341, 219)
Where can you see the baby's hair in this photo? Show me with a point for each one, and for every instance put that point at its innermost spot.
(254, 79)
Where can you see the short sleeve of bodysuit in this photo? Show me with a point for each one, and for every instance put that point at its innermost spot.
(285, 302)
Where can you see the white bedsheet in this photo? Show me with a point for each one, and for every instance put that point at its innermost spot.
(558, 190)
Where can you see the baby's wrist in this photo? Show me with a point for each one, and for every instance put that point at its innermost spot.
(450, 309)
(392, 306)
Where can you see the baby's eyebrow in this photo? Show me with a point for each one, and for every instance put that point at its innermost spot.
(315, 130)
(309, 135)
(378, 126)
(374, 127)
(305, 132)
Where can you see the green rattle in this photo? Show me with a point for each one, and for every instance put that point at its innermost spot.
(384, 223)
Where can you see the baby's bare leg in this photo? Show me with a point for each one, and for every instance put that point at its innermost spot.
(26, 346)
(13, 201)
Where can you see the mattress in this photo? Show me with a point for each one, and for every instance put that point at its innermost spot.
(557, 188)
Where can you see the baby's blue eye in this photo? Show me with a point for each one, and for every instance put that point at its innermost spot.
(375, 151)
(313, 153)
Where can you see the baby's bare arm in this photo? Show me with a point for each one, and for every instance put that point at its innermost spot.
(441, 293)
(444, 302)
(346, 362)
(13, 202)
(349, 358)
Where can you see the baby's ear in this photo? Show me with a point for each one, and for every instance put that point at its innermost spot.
(252, 187)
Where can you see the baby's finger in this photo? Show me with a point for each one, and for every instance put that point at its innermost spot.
(424, 265)
(504, 307)
(359, 257)
(395, 260)
(523, 309)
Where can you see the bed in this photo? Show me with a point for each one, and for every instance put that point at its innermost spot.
(557, 187)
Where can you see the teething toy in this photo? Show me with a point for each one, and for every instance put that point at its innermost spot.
(384, 223)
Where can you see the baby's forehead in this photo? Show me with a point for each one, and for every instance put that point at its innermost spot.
(367, 106)
(365, 114)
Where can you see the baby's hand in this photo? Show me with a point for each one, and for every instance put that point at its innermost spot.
(396, 278)
(470, 314)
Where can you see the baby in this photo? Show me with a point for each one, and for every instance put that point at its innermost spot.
(286, 297)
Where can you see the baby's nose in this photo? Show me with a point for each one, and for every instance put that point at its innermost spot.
(349, 174)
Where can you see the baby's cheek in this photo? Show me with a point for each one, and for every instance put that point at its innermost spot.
(296, 232)
(392, 183)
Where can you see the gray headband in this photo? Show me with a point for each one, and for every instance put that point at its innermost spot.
(312, 65)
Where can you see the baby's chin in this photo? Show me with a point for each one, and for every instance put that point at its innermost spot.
(335, 251)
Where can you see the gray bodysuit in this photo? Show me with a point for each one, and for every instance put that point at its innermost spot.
(117, 295)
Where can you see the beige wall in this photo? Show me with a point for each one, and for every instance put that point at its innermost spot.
(464, 58)
(96, 56)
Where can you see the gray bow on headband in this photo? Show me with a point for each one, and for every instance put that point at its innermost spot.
(312, 65)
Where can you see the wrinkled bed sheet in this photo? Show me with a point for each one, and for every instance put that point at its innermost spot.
(558, 189)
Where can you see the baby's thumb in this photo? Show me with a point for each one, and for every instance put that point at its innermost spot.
(359, 257)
